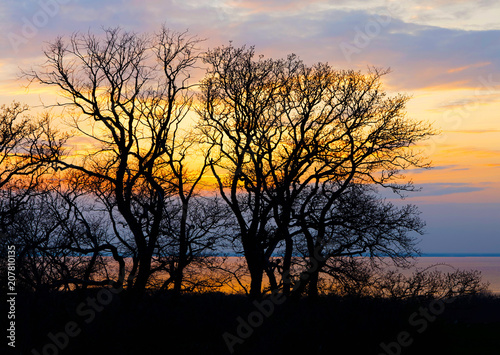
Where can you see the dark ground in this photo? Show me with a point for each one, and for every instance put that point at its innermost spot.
(72, 323)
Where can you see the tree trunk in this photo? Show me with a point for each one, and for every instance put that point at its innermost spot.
(272, 278)
(256, 268)
(143, 274)
(312, 290)
(255, 283)
(179, 271)
(183, 249)
(178, 278)
(287, 263)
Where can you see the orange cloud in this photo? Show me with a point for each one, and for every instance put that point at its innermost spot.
(473, 131)
(477, 65)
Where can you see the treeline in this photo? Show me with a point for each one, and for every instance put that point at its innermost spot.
(272, 159)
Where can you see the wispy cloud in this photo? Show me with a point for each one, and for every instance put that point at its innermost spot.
(470, 150)
(477, 65)
(420, 55)
(438, 167)
(473, 131)
(440, 189)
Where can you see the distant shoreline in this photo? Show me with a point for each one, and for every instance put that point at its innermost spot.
(460, 255)
(423, 255)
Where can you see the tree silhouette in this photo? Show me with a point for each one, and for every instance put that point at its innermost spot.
(283, 131)
(295, 150)
(61, 246)
(129, 93)
(28, 145)
(238, 96)
(358, 223)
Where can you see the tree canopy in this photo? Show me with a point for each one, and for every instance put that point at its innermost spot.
(296, 151)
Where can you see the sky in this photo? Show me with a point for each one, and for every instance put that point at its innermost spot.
(444, 53)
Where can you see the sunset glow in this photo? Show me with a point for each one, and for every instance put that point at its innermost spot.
(444, 54)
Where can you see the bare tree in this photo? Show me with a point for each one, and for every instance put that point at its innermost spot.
(236, 109)
(28, 148)
(431, 282)
(192, 234)
(358, 223)
(128, 93)
(64, 242)
(27, 144)
(283, 129)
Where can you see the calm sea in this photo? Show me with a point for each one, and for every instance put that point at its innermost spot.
(488, 265)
